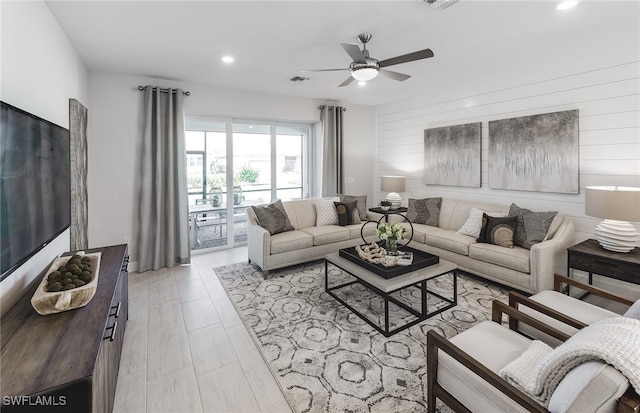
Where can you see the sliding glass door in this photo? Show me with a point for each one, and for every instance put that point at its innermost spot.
(207, 185)
(261, 162)
(290, 163)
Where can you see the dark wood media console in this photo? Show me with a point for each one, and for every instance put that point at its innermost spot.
(67, 362)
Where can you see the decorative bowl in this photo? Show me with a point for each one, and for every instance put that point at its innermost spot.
(46, 302)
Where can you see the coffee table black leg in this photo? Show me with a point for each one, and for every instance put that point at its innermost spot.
(326, 275)
(455, 287)
(423, 287)
(386, 314)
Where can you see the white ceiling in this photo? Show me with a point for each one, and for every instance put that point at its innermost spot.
(478, 45)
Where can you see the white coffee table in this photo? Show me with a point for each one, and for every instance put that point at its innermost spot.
(385, 287)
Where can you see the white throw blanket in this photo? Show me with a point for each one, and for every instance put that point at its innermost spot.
(539, 370)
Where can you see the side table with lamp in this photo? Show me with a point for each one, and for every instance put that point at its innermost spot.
(613, 253)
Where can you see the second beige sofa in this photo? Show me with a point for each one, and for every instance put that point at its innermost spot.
(529, 270)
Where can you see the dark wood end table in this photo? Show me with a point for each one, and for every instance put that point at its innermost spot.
(589, 256)
(379, 210)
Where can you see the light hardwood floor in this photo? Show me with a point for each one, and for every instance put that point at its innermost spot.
(186, 349)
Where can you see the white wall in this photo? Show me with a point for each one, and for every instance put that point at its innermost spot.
(609, 105)
(114, 125)
(609, 135)
(40, 72)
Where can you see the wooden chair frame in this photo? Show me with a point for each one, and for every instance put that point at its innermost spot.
(559, 282)
(628, 403)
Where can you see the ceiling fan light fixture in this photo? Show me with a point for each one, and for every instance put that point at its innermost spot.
(362, 83)
(566, 4)
(440, 4)
(365, 73)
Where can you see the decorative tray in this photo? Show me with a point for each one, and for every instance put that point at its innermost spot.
(421, 259)
(51, 302)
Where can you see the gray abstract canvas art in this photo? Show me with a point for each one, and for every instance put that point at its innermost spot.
(79, 195)
(535, 153)
(452, 155)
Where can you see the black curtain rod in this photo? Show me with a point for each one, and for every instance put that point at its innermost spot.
(186, 93)
(330, 107)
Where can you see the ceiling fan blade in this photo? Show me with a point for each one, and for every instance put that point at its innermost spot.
(323, 70)
(354, 51)
(409, 57)
(346, 82)
(393, 75)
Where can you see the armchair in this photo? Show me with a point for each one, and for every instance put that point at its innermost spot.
(560, 310)
(463, 372)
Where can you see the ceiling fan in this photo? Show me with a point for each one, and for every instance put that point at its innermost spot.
(363, 67)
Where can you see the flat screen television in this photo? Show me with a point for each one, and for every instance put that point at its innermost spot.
(35, 187)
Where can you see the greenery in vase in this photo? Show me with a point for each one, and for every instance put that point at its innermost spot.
(386, 232)
(385, 203)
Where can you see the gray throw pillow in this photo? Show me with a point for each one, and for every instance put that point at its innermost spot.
(362, 204)
(424, 211)
(273, 217)
(536, 226)
(531, 227)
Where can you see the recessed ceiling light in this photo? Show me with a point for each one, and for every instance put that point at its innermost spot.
(567, 4)
(228, 59)
(362, 83)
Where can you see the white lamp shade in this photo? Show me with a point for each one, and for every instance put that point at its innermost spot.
(389, 183)
(613, 202)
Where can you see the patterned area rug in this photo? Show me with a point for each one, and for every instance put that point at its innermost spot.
(326, 358)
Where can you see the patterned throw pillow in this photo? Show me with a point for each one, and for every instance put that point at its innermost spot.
(362, 204)
(273, 217)
(326, 213)
(424, 211)
(474, 223)
(633, 311)
(498, 231)
(347, 211)
(531, 227)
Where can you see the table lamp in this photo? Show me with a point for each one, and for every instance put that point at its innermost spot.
(393, 185)
(617, 205)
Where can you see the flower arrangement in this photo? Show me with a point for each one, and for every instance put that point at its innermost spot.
(391, 234)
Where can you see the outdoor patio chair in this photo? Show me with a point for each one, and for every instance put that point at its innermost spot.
(463, 372)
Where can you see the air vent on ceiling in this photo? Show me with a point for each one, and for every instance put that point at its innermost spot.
(440, 4)
(298, 79)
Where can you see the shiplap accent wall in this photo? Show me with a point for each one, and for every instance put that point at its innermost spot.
(609, 103)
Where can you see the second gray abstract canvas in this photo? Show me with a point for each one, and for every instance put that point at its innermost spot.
(535, 153)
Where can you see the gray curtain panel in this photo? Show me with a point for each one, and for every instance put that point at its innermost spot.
(79, 165)
(332, 157)
(163, 224)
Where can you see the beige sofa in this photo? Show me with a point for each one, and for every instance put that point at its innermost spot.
(520, 268)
